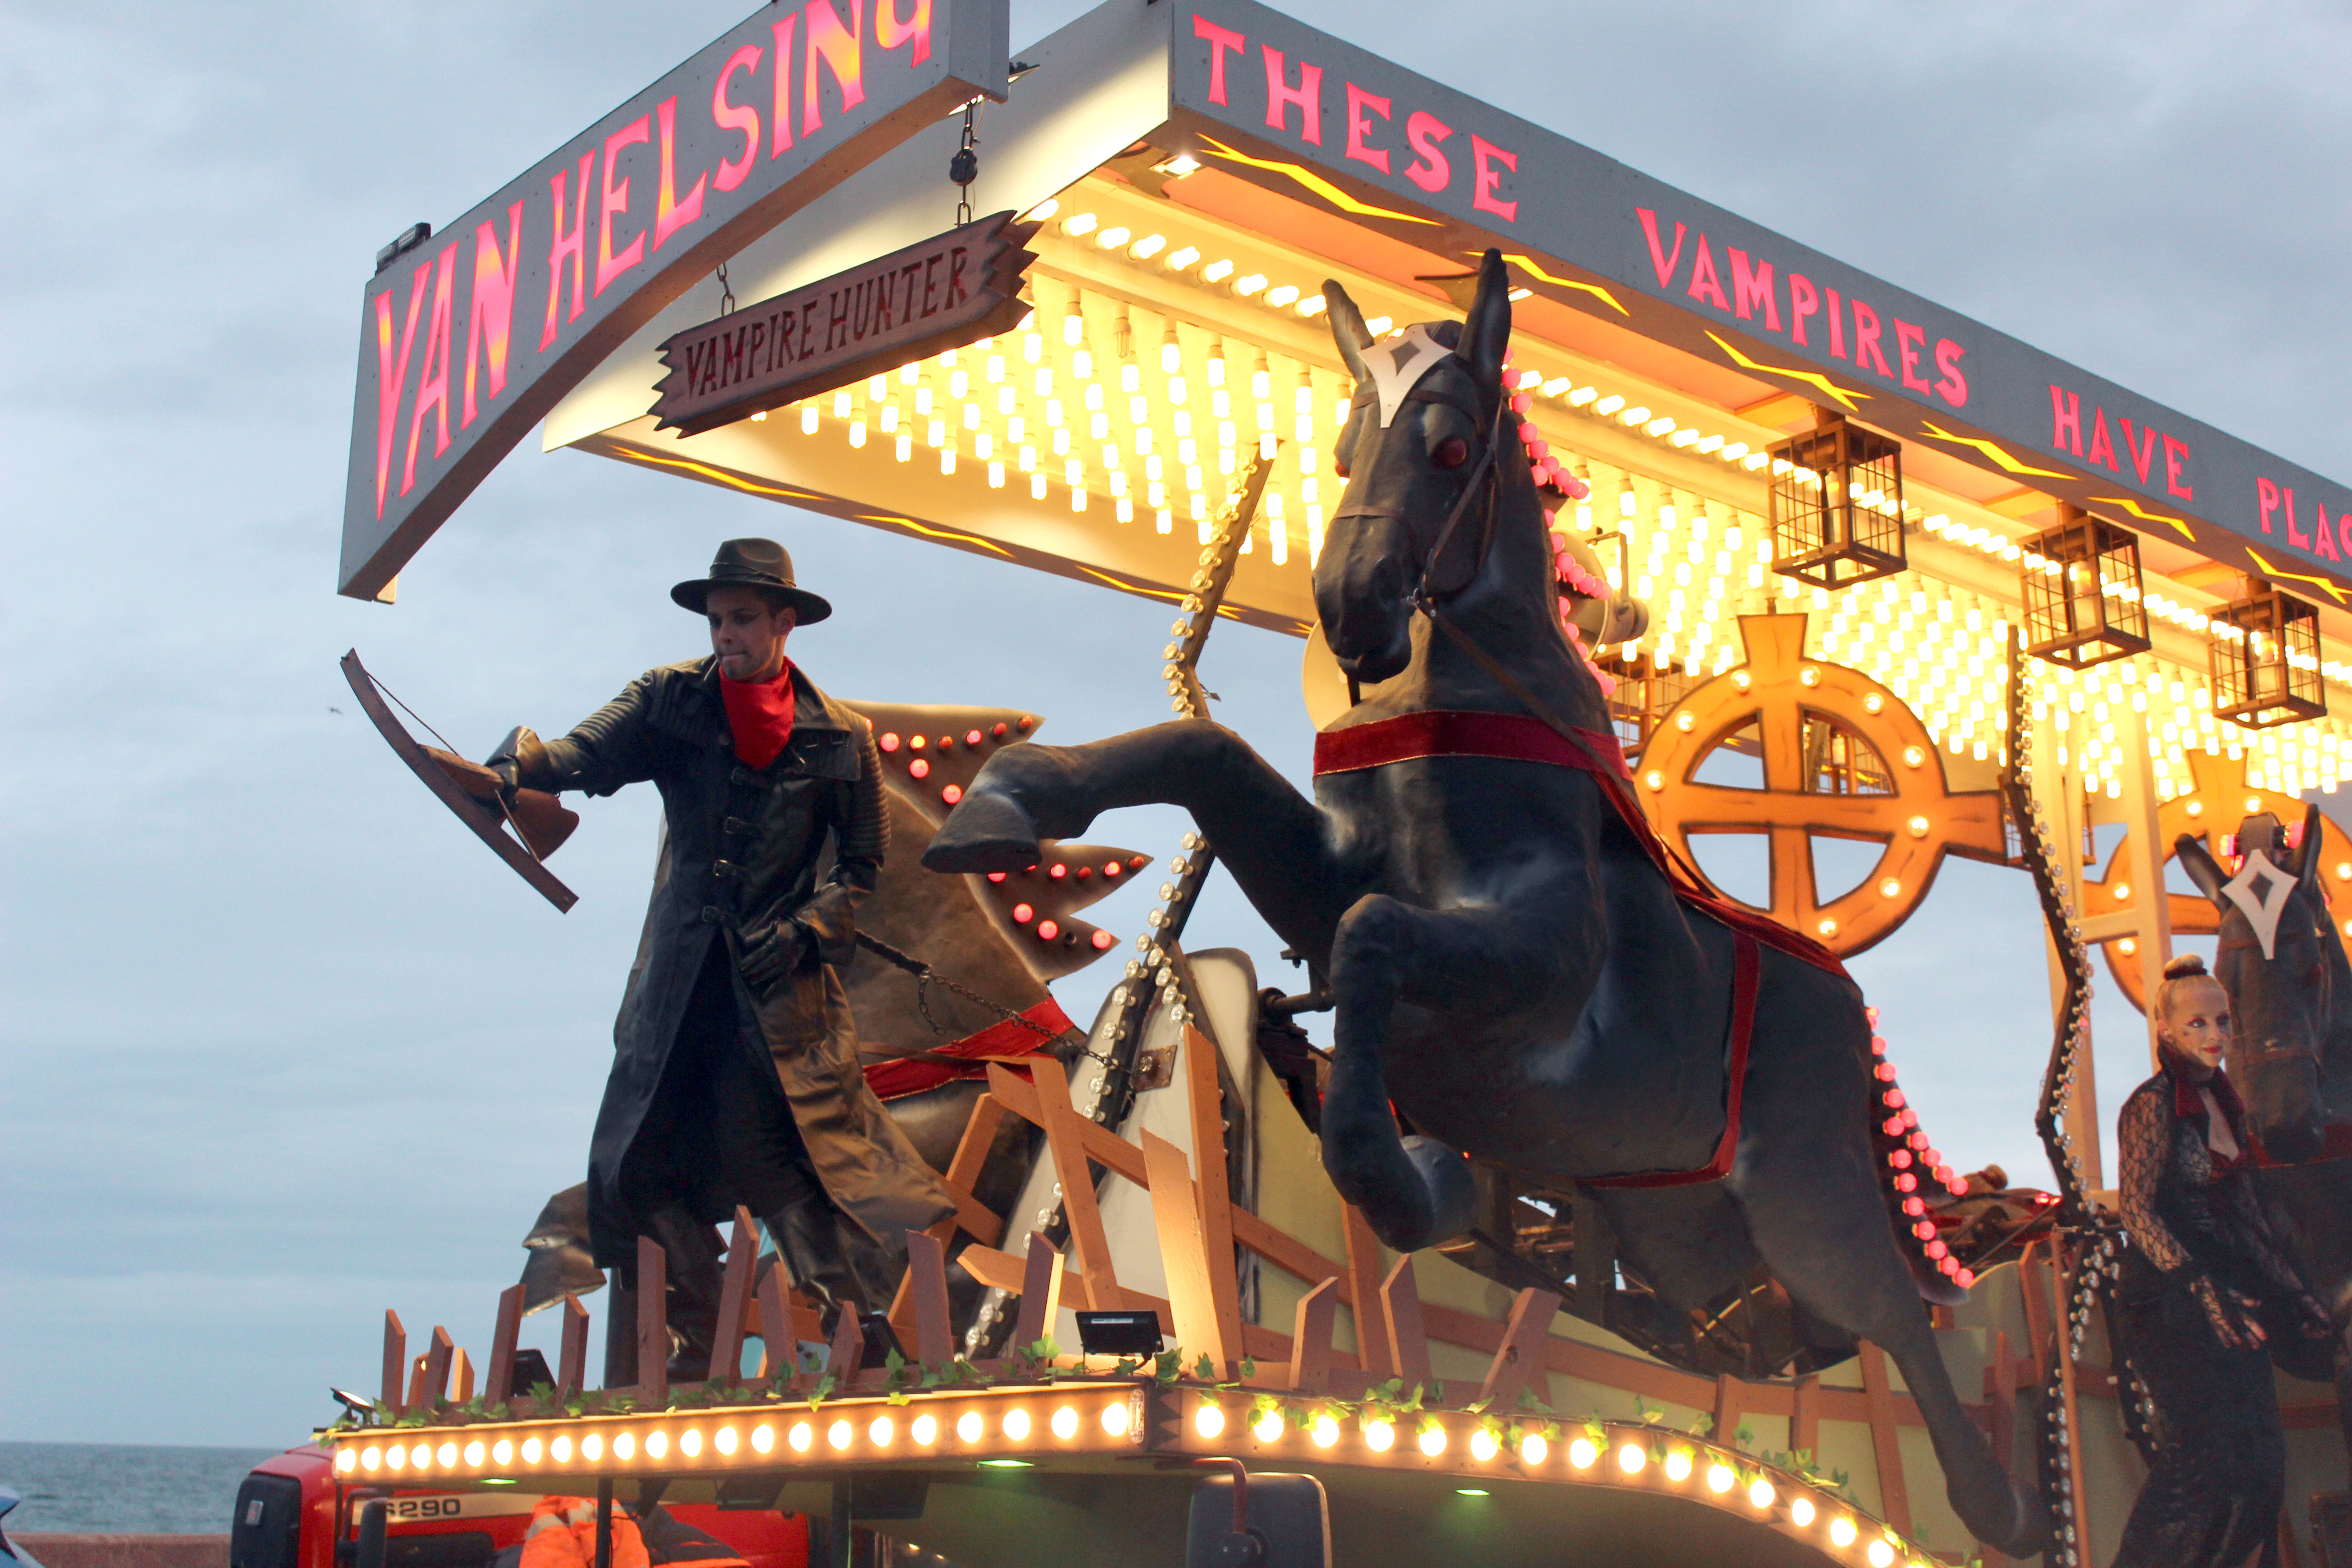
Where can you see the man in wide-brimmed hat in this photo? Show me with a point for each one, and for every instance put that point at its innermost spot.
(736, 1076)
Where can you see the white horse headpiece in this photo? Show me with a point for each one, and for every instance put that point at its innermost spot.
(2261, 908)
(1398, 363)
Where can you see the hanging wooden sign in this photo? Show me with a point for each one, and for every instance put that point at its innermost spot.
(937, 294)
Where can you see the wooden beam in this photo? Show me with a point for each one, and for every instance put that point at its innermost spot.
(1401, 1305)
(396, 1363)
(1363, 1287)
(779, 1346)
(437, 1368)
(1041, 1291)
(1104, 1147)
(2001, 1402)
(734, 1299)
(502, 1346)
(1596, 1257)
(1894, 1493)
(1066, 1136)
(653, 1324)
(1210, 1189)
(1520, 1358)
(961, 1176)
(461, 1376)
(927, 1281)
(1727, 1407)
(1311, 1339)
(1184, 1254)
(847, 1353)
(1805, 1416)
(572, 1375)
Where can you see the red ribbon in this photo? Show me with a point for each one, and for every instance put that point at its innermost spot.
(1004, 1042)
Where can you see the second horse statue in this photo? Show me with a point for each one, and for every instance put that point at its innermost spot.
(1517, 970)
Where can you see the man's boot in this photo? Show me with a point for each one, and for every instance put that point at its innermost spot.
(810, 1246)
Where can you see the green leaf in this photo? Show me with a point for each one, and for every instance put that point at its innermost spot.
(1704, 1425)
(894, 1364)
(541, 1393)
(1745, 1436)
(1527, 1401)
(1168, 1367)
(820, 1394)
(1249, 1367)
(1204, 1369)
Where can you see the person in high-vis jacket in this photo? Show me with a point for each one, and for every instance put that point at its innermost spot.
(736, 1076)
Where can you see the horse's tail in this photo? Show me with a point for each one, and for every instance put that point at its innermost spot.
(1908, 1163)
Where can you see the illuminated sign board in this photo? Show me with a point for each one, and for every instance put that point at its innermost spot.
(1271, 101)
(939, 293)
(468, 339)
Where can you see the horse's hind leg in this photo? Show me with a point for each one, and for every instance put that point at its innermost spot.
(1461, 961)
(1806, 1180)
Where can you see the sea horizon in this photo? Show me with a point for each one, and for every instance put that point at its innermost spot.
(138, 1489)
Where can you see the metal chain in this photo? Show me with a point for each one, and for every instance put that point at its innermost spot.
(926, 977)
(726, 292)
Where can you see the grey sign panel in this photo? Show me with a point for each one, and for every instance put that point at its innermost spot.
(1274, 102)
(468, 339)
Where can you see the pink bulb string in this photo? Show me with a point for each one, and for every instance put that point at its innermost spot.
(1910, 1160)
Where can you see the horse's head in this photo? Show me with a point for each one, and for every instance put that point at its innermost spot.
(1420, 449)
(2274, 963)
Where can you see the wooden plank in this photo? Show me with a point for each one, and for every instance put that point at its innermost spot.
(1041, 1291)
(1805, 1416)
(1311, 1339)
(2000, 1423)
(653, 1324)
(502, 1346)
(2031, 1268)
(1520, 1356)
(734, 1297)
(1401, 1305)
(1184, 1254)
(437, 1368)
(395, 1365)
(961, 1176)
(1596, 1257)
(418, 1386)
(573, 1373)
(1211, 1188)
(927, 1281)
(1066, 1136)
(780, 1351)
(461, 1376)
(1104, 1147)
(847, 1353)
(1894, 1493)
(1363, 1291)
(1727, 1407)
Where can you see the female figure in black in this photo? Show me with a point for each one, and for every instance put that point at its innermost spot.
(2202, 1275)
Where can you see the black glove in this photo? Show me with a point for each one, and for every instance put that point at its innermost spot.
(771, 953)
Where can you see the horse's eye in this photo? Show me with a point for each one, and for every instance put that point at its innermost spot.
(1451, 453)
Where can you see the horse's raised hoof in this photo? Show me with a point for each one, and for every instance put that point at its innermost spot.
(2015, 1518)
(984, 833)
(1452, 1190)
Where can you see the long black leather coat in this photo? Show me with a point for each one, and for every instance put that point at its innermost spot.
(744, 847)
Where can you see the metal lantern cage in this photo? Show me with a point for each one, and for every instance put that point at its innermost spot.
(1836, 505)
(2265, 659)
(2082, 591)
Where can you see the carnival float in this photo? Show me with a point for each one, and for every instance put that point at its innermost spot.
(1613, 526)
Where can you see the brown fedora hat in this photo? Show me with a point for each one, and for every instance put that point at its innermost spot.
(752, 564)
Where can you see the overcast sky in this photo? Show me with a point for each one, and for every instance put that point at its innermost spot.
(284, 1047)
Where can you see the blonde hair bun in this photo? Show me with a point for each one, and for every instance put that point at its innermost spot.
(2187, 966)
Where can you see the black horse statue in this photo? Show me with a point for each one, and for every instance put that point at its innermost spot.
(2291, 1059)
(1517, 968)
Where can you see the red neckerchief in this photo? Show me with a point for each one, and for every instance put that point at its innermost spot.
(760, 713)
(2186, 1101)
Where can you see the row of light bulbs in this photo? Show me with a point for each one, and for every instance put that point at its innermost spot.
(869, 1432)
(1532, 1449)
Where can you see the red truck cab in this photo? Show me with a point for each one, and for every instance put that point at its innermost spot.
(292, 1513)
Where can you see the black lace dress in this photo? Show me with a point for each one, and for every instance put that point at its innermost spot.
(2201, 1252)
